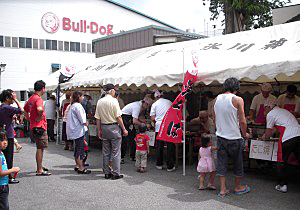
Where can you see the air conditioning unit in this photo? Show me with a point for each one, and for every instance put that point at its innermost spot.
(55, 67)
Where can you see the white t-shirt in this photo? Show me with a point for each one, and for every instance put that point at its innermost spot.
(260, 99)
(282, 100)
(282, 117)
(133, 109)
(50, 110)
(159, 109)
(75, 120)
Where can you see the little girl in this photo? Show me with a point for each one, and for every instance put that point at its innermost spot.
(206, 164)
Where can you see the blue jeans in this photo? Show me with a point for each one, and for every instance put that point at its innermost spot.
(4, 191)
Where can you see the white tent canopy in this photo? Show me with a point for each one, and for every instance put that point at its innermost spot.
(256, 56)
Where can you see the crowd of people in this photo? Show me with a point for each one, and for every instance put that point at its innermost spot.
(122, 128)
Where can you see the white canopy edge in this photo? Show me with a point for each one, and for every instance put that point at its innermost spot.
(260, 55)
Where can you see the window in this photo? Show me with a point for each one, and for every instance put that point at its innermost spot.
(67, 46)
(77, 46)
(21, 42)
(48, 44)
(15, 42)
(83, 47)
(93, 47)
(89, 48)
(7, 41)
(60, 45)
(28, 43)
(54, 45)
(35, 44)
(1, 41)
(23, 93)
(42, 44)
(72, 46)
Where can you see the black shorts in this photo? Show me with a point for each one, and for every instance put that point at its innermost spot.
(79, 148)
(230, 149)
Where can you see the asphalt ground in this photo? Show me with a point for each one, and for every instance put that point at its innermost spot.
(155, 189)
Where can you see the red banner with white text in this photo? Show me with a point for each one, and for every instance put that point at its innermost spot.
(171, 129)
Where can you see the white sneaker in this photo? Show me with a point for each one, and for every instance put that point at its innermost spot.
(282, 188)
(172, 169)
(159, 167)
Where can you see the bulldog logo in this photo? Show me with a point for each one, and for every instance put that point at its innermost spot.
(50, 22)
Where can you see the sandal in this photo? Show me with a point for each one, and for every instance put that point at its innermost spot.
(211, 187)
(202, 188)
(76, 169)
(222, 195)
(44, 173)
(85, 171)
(246, 190)
(44, 169)
(18, 149)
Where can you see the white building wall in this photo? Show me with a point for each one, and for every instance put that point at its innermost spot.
(22, 18)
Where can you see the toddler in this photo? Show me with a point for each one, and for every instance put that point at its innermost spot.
(206, 164)
(142, 148)
(4, 172)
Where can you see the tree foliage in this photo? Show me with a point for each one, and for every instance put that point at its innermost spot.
(244, 14)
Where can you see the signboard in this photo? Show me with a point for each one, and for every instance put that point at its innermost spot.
(50, 23)
(262, 150)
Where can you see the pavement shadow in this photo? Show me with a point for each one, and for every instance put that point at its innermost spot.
(182, 188)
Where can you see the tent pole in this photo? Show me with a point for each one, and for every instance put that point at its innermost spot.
(183, 121)
(184, 128)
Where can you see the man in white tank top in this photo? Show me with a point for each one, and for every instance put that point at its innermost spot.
(231, 126)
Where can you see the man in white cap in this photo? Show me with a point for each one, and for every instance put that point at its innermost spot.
(158, 110)
(289, 142)
(257, 106)
(130, 116)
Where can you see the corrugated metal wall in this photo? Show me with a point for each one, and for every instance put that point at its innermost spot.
(129, 41)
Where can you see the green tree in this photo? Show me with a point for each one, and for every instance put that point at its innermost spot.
(243, 15)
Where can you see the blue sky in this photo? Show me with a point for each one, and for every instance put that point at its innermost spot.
(183, 14)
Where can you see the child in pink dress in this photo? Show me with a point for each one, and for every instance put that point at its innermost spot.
(206, 164)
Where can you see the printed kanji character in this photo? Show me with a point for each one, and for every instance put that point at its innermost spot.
(274, 44)
(111, 67)
(153, 54)
(177, 105)
(124, 64)
(242, 47)
(173, 129)
(98, 68)
(214, 46)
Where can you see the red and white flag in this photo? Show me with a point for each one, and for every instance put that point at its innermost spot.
(171, 126)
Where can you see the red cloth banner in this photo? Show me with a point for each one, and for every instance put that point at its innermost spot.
(171, 129)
